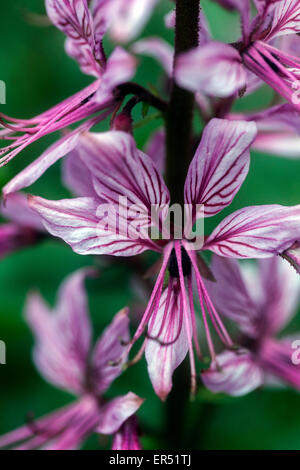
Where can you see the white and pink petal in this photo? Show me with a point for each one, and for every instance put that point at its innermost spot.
(167, 345)
(285, 18)
(116, 412)
(128, 18)
(120, 170)
(74, 18)
(82, 224)
(233, 373)
(256, 232)
(220, 164)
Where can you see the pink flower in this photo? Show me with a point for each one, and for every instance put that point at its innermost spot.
(84, 30)
(107, 167)
(62, 355)
(219, 69)
(23, 227)
(261, 302)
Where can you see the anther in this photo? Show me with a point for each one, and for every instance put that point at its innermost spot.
(185, 263)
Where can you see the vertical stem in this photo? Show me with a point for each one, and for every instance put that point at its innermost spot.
(179, 127)
(179, 124)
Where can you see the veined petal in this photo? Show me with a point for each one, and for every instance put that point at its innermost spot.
(158, 49)
(220, 164)
(215, 69)
(109, 349)
(234, 373)
(119, 169)
(71, 16)
(169, 346)
(63, 336)
(230, 294)
(77, 223)
(285, 18)
(117, 411)
(256, 232)
(75, 20)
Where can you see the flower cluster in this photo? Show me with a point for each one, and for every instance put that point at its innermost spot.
(221, 314)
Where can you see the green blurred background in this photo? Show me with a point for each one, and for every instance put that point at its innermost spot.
(38, 74)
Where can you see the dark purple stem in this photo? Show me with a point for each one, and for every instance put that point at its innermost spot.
(131, 88)
(179, 122)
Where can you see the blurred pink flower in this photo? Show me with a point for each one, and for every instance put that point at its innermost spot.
(221, 70)
(84, 30)
(216, 173)
(261, 301)
(62, 355)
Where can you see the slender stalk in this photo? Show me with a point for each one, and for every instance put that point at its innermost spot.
(179, 122)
